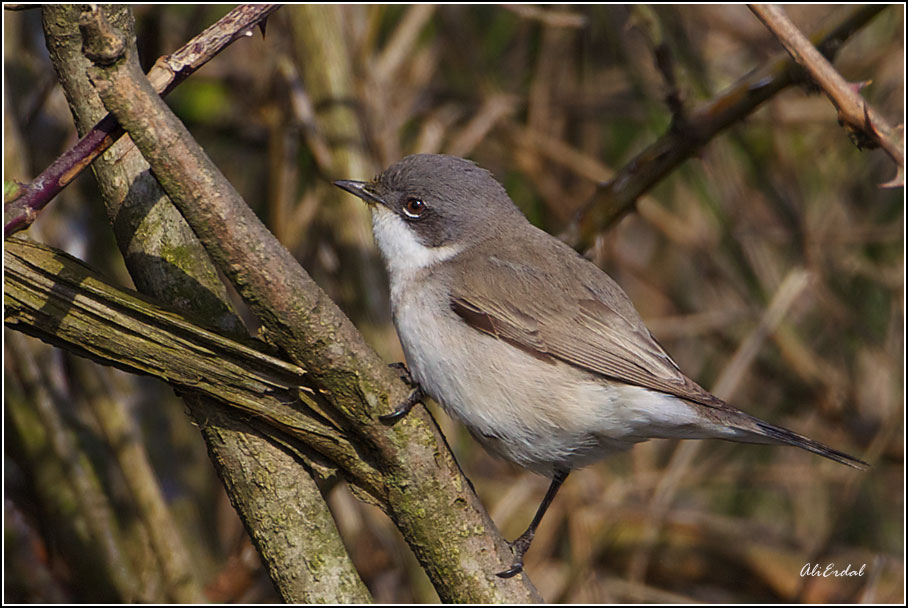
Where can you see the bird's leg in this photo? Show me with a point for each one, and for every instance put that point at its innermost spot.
(522, 543)
(415, 396)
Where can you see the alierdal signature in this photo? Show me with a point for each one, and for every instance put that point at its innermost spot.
(831, 570)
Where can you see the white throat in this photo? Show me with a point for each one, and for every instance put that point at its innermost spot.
(404, 255)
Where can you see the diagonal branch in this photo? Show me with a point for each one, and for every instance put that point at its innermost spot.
(58, 299)
(859, 118)
(167, 72)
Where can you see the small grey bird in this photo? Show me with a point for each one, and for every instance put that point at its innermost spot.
(531, 346)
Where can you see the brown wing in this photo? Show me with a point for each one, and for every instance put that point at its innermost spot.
(576, 314)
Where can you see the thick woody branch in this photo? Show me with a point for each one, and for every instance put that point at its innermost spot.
(458, 544)
(58, 299)
(283, 510)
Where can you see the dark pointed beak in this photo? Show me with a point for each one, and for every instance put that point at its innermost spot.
(361, 189)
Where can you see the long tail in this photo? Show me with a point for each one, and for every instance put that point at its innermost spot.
(758, 429)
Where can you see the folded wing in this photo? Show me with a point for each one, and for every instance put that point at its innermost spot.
(577, 315)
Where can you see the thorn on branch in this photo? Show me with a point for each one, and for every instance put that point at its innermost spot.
(898, 180)
(857, 86)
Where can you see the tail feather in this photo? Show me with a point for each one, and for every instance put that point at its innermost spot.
(780, 435)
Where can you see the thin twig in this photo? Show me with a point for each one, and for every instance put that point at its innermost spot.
(867, 127)
(493, 109)
(403, 40)
(304, 114)
(551, 18)
(168, 72)
(619, 195)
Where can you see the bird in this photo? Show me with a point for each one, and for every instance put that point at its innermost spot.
(535, 349)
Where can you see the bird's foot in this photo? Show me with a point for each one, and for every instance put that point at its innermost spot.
(415, 396)
(519, 547)
(401, 368)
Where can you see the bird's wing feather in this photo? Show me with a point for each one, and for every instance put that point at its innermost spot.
(577, 315)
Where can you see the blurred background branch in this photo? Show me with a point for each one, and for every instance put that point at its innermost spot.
(691, 130)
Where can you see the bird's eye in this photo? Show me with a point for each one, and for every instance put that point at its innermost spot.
(414, 208)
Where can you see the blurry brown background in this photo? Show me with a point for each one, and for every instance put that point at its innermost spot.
(549, 100)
